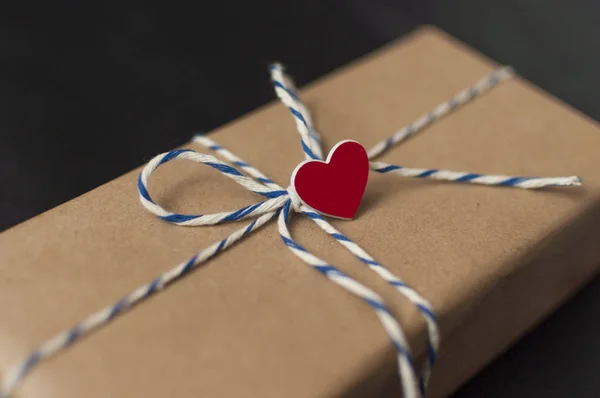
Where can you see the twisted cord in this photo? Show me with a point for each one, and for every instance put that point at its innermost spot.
(64, 340)
(281, 202)
(424, 307)
(464, 97)
(267, 210)
(445, 108)
(275, 201)
(284, 88)
(474, 178)
(228, 155)
(426, 310)
(406, 368)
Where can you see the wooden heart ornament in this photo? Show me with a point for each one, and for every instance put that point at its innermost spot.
(336, 186)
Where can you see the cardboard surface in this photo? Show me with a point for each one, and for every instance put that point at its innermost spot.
(255, 321)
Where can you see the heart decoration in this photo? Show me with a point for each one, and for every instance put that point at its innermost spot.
(336, 186)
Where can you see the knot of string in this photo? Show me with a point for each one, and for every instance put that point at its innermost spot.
(296, 203)
(279, 202)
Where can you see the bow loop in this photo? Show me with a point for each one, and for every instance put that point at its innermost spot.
(275, 197)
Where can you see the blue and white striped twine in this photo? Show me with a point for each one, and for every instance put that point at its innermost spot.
(279, 203)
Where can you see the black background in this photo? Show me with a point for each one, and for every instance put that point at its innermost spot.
(90, 90)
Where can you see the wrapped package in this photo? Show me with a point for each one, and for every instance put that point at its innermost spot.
(255, 321)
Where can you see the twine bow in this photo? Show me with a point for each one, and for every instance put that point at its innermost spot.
(280, 202)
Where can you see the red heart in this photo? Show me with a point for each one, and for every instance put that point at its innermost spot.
(334, 187)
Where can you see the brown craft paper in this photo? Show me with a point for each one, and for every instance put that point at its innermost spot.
(256, 321)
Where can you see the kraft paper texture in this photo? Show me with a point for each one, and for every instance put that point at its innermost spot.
(256, 321)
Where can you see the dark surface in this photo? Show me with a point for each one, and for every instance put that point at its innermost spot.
(92, 90)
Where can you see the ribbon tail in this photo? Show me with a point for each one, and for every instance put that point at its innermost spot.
(424, 307)
(392, 327)
(474, 178)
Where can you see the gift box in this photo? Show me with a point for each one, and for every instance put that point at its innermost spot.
(255, 320)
